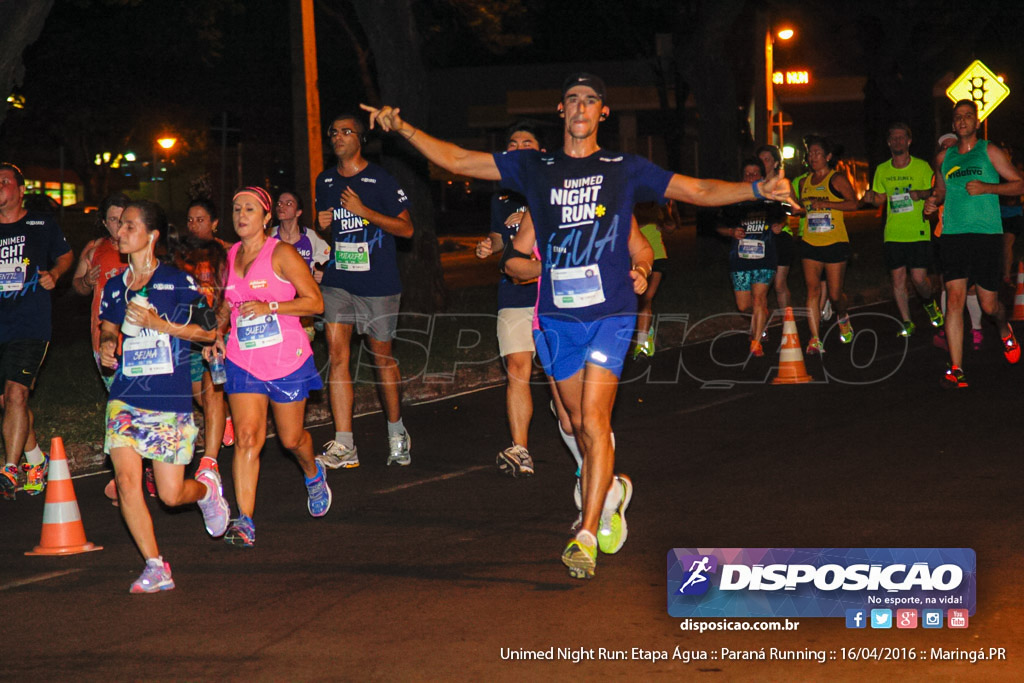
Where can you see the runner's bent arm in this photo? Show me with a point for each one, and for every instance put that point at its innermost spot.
(80, 283)
(399, 226)
(938, 195)
(1014, 185)
(446, 155)
(641, 255)
(289, 265)
(521, 268)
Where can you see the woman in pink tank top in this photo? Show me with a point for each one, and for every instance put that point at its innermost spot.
(269, 360)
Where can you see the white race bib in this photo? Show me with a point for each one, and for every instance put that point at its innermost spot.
(150, 355)
(819, 221)
(901, 203)
(12, 277)
(258, 332)
(577, 287)
(752, 249)
(352, 256)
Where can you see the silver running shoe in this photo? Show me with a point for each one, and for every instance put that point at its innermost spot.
(399, 446)
(515, 460)
(337, 455)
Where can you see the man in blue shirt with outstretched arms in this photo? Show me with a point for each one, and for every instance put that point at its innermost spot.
(581, 200)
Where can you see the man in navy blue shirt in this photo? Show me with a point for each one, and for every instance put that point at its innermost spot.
(581, 199)
(33, 256)
(364, 209)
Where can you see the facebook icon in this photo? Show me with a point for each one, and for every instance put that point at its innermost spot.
(856, 618)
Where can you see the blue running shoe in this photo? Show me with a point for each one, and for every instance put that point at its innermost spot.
(319, 501)
(155, 577)
(241, 532)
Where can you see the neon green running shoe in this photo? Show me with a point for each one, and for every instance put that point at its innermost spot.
(845, 330)
(612, 529)
(906, 329)
(934, 314)
(581, 559)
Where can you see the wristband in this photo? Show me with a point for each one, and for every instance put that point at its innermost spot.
(756, 190)
(273, 306)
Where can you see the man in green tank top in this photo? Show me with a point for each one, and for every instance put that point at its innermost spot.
(968, 181)
(903, 183)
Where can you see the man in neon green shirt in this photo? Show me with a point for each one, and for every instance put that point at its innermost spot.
(903, 183)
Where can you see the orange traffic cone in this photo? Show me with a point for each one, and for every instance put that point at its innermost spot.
(791, 358)
(1018, 298)
(63, 533)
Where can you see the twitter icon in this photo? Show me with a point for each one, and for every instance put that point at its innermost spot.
(881, 618)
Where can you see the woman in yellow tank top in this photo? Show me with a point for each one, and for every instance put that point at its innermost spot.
(825, 195)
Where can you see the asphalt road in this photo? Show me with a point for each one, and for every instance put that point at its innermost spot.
(427, 572)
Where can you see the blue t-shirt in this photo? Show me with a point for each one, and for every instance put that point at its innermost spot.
(27, 245)
(171, 292)
(582, 211)
(757, 249)
(510, 295)
(366, 265)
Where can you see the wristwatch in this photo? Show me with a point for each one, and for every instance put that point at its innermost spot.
(273, 306)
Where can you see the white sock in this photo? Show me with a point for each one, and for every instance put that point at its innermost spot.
(943, 301)
(570, 442)
(157, 561)
(614, 495)
(974, 309)
(34, 456)
(586, 538)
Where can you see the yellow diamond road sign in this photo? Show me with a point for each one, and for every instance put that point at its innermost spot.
(979, 84)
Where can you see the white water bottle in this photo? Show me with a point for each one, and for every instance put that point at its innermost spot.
(142, 299)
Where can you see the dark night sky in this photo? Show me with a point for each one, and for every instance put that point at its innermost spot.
(106, 72)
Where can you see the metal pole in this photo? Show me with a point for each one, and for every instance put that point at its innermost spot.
(314, 135)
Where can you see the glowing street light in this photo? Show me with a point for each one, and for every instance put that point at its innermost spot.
(167, 143)
(784, 33)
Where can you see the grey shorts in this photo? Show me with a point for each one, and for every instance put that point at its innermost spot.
(376, 316)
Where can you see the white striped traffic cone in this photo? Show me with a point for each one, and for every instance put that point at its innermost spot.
(791, 359)
(63, 533)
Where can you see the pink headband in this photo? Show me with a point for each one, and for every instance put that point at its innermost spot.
(262, 196)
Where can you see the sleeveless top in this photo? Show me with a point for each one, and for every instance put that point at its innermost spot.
(966, 214)
(825, 226)
(261, 357)
(109, 259)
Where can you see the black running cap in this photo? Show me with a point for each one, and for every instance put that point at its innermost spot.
(583, 78)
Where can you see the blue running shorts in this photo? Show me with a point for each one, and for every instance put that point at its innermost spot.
(565, 345)
(287, 389)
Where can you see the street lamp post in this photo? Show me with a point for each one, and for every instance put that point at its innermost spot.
(764, 100)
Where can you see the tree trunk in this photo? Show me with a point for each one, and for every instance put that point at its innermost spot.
(390, 28)
(20, 25)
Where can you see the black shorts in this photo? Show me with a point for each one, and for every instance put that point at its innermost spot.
(784, 248)
(660, 265)
(1012, 225)
(833, 253)
(20, 360)
(974, 257)
(908, 254)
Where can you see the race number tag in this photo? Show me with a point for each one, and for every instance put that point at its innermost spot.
(352, 256)
(258, 332)
(901, 203)
(819, 221)
(577, 287)
(751, 249)
(150, 355)
(12, 277)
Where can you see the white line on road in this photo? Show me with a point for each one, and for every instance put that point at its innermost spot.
(704, 406)
(440, 477)
(37, 579)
